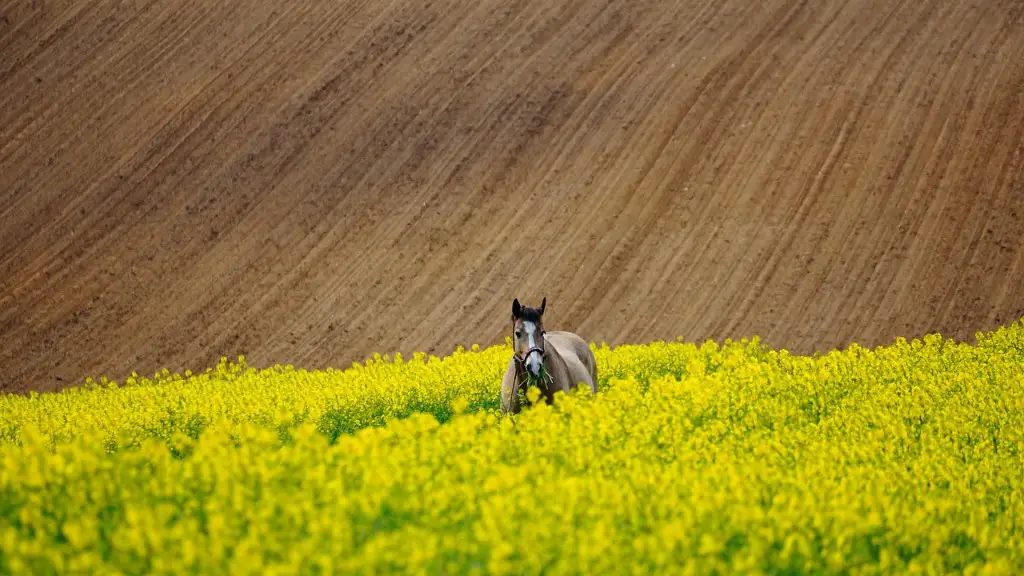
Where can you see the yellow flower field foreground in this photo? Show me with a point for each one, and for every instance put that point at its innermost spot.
(729, 458)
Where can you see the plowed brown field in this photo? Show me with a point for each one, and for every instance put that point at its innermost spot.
(309, 182)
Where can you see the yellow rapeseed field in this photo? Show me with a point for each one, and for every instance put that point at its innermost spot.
(719, 458)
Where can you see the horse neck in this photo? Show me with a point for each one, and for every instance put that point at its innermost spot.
(556, 365)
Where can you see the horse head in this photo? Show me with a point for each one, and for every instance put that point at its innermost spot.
(528, 337)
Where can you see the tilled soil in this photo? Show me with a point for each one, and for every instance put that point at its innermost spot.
(312, 182)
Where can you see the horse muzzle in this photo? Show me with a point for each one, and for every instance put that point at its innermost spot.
(532, 361)
(533, 366)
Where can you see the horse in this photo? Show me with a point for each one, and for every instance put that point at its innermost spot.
(552, 361)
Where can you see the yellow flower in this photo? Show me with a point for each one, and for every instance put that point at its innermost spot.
(720, 458)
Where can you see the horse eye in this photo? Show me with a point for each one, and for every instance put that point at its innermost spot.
(519, 334)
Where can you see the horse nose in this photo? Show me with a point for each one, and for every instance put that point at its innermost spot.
(533, 366)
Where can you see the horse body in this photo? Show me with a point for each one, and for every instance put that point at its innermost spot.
(567, 360)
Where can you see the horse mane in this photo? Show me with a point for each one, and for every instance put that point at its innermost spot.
(530, 314)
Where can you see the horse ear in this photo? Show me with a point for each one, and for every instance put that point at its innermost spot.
(516, 308)
(543, 303)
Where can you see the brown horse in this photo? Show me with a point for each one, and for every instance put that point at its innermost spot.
(551, 361)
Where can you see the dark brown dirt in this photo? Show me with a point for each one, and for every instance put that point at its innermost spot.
(310, 182)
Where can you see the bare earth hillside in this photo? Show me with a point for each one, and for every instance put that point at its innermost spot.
(310, 182)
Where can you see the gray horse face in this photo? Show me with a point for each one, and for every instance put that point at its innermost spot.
(528, 335)
(528, 346)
